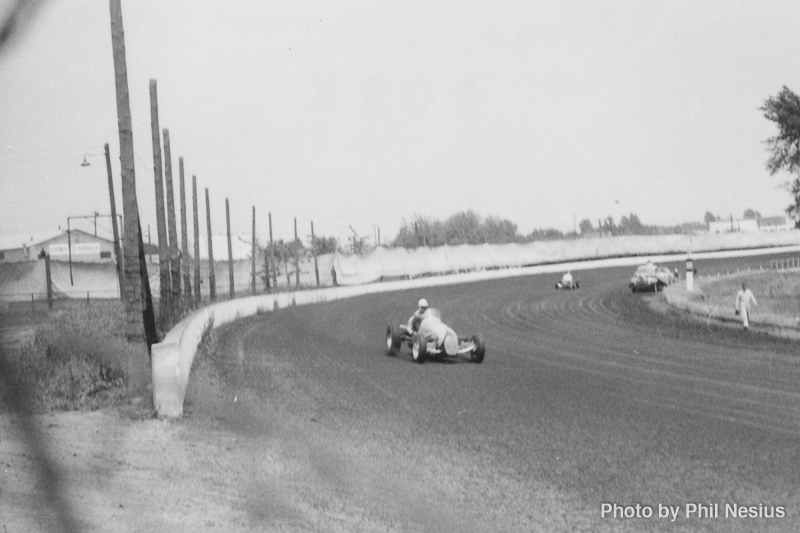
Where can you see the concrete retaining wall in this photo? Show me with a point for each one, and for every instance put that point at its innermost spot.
(172, 358)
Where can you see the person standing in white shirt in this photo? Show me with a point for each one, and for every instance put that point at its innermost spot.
(744, 299)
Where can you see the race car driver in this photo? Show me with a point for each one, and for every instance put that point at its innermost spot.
(567, 280)
(416, 318)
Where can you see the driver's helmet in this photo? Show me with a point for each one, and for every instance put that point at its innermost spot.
(423, 303)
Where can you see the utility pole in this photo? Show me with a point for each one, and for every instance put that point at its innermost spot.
(48, 279)
(196, 220)
(212, 281)
(130, 207)
(174, 256)
(253, 254)
(296, 256)
(272, 255)
(161, 225)
(314, 253)
(231, 290)
(114, 228)
(187, 279)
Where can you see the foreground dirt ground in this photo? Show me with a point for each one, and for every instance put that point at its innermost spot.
(112, 471)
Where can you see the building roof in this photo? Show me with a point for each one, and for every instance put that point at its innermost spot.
(14, 242)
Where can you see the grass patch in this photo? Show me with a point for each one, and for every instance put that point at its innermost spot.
(78, 359)
(777, 293)
(206, 348)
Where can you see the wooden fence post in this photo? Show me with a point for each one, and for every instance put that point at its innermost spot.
(314, 253)
(212, 280)
(231, 290)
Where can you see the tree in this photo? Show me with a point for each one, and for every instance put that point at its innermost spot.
(585, 226)
(749, 213)
(324, 245)
(499, 231)
(784, 148)
(464, 228)
(709, 218)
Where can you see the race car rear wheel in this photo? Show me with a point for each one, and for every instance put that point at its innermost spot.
(479, 351)
(392, 340)
(419, 349)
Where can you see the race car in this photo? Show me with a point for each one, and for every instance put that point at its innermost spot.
(434, 339)
(568, 284)
(650, 277)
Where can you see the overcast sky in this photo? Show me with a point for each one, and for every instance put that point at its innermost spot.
(365, 113)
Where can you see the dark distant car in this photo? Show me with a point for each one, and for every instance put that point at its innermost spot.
(650, 277)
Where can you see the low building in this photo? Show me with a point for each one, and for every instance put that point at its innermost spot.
(77, 246)
(779, 223)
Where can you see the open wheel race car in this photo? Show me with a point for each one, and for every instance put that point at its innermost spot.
(562, 284)
(434, 339)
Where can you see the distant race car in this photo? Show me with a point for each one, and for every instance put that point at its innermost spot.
(574, 284)
(650, 277)
(434, 339)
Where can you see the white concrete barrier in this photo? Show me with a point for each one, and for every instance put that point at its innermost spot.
(172, 358)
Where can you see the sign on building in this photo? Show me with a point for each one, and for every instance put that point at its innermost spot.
(81, 248)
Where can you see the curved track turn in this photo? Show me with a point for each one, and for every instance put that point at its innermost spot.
(585, 397)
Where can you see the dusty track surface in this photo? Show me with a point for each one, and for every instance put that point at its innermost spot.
(586, 397)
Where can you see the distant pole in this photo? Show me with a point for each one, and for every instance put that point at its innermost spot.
(379, 235)
(49, 280)
(266, 268)
(114, 228)
(196, 242)
(174, 255)
(272, 255)
(212, 281)
(185, 267)
(231, 290)
(161, 225)
(253, 253)
(134, 302)
(69, 252)
(296, 256)
(314, 253)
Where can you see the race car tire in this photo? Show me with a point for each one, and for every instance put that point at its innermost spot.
(480, 349)
(577, 285)
(557, 286)
(419, 349)
(392, 340)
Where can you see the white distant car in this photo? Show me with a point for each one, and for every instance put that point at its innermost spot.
(568, 284)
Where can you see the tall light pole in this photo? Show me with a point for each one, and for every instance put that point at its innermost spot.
(114, 227)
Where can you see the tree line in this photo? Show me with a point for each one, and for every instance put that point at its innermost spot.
(467, 227)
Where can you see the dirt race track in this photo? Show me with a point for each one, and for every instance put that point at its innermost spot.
(586, 397)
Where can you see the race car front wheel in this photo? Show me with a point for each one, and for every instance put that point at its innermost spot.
(392, 340)
(419, 349)
(479, 351)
